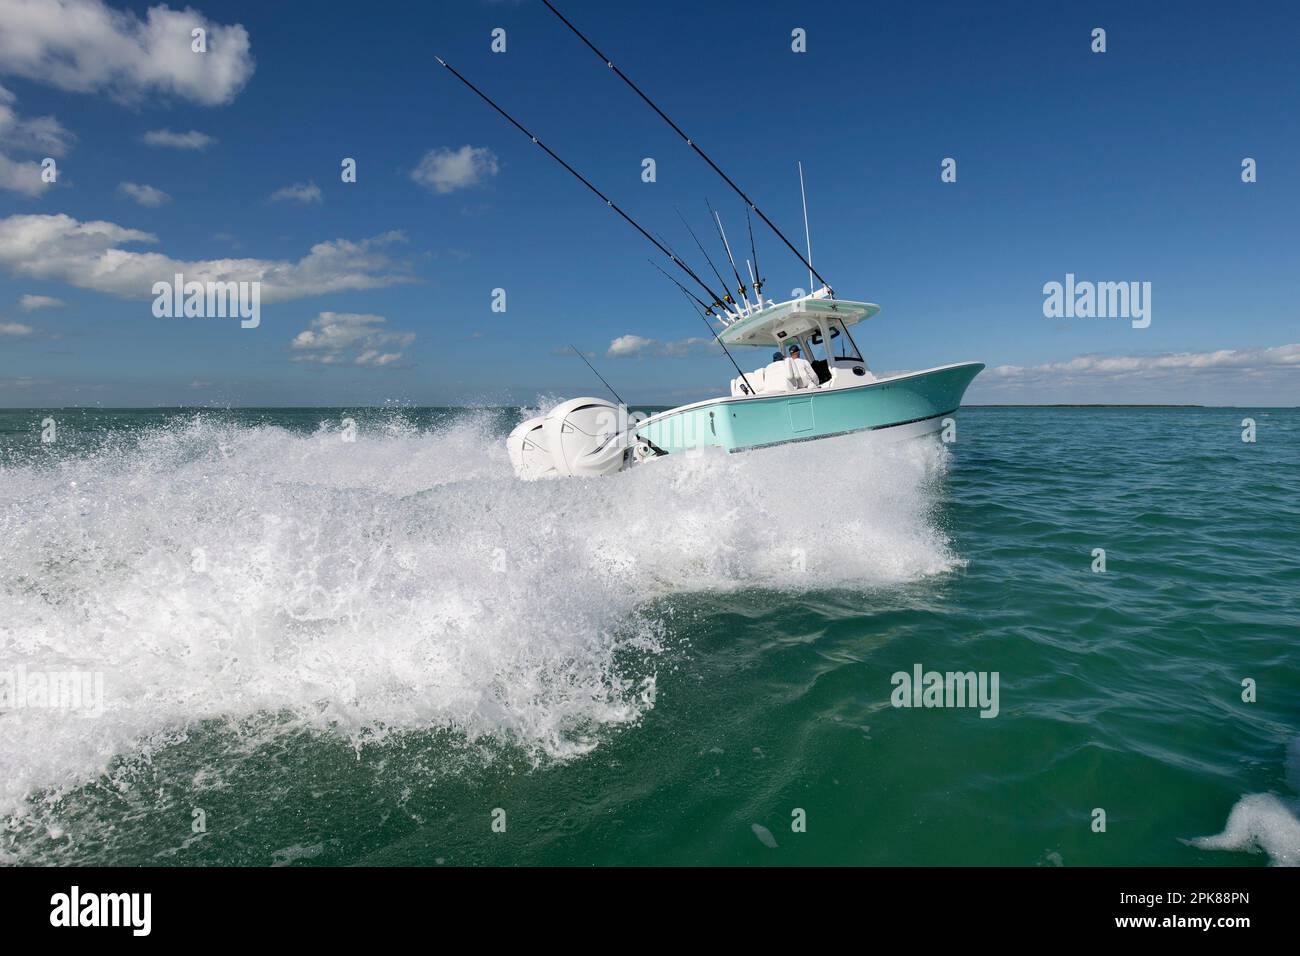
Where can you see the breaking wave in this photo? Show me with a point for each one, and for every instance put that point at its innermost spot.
(402, 580)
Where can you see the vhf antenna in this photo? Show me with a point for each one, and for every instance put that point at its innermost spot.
(806, 234)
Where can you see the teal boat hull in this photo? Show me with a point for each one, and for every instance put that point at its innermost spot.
(913, 404)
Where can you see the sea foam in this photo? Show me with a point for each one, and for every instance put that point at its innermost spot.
(402, 581)
(1264, 822)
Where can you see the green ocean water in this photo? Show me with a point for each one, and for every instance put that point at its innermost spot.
(324, 643)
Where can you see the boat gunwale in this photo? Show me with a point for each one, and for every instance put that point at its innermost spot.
(799, 393)
(847, 431)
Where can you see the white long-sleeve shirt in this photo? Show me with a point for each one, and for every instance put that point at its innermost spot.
(799, 373)
(787, 375)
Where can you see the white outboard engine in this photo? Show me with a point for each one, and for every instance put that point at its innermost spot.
(528, 451)
(583, 437)
(587, 436)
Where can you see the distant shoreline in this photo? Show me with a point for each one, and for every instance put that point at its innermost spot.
(1098, 405)
(305, 408)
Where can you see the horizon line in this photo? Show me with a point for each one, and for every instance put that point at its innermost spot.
(515, 405)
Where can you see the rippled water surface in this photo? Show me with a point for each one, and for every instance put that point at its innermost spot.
(316, 650)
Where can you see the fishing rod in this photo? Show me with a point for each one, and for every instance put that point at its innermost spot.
(717, 303)
(740, 284)
(706, 313)
(755, 276)
(721, 281)
(708, 309)
(597, 374)
(749, 387)
(581, 178)
(689, 142)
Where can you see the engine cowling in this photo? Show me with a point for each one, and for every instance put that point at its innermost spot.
(581, 437)
(528, 451)
(587, 436)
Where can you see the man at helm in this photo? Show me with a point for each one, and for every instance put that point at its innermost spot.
(798, 372)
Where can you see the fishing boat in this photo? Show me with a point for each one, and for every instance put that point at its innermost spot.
(769, 406)
(788, 399)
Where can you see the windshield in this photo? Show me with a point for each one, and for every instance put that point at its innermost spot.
(842, 344)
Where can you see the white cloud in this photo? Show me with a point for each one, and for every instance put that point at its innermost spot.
(37, 137)
(445, 170)
(629, 345)
(16, 329)
(374, 359)
(636, 346)
(1124, 366)
(304, 193)
(331, 335)
(89, 255)
(1260, 376)
(21, 177)
(30, 303)
(41, 135)
(170, 139)
(144, 195)
(86, 46)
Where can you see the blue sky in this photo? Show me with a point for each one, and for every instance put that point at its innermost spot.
(1118, 166)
